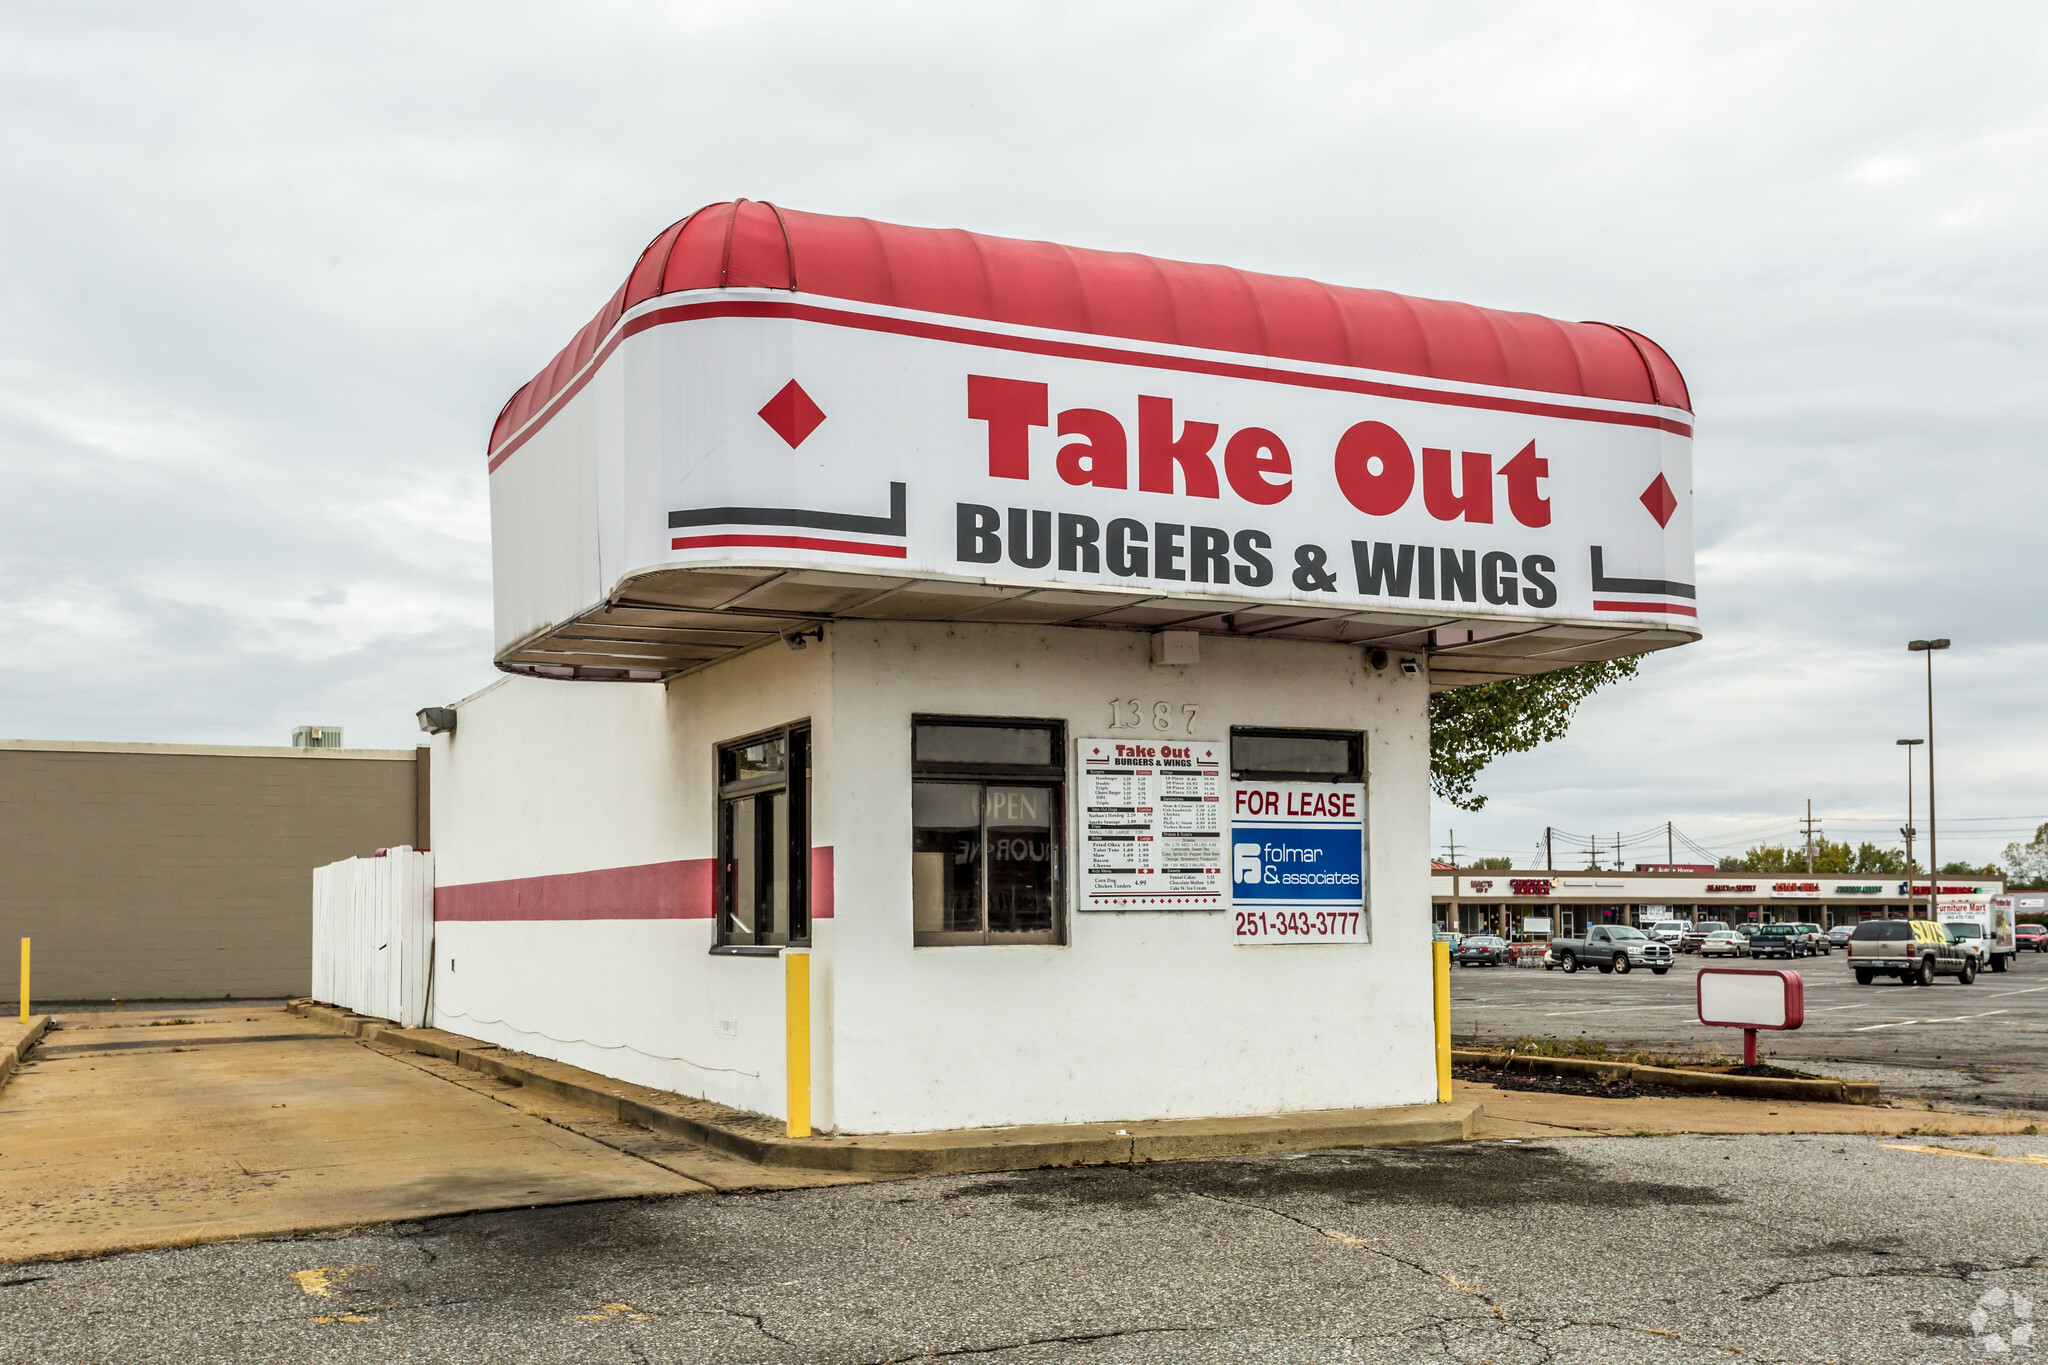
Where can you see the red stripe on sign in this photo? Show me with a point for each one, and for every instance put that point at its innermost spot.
(678, 890)
(1115, 355)
(852, 547)
(1663, 608)
(821, 882)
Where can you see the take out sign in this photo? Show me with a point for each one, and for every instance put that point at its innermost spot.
(1140, 470)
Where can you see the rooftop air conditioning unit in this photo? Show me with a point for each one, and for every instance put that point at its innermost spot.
(316, 736)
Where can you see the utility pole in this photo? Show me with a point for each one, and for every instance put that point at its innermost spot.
(1669, 857)
(1617, 850)
(1550, 863)
(1808, 825)
(1454, 850)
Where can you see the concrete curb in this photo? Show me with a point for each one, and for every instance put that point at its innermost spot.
(16, 1048)
(1699, 1082)
(760, 1140)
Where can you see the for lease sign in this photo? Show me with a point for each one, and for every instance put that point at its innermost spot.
(1297, 863)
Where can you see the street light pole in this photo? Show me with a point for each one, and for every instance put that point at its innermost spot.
(1906, 830)
(1928, 647)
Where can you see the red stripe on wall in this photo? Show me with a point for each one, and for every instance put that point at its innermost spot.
(821, 883)
(678, 890)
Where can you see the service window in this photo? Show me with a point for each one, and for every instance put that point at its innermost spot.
(764, 840)
(988, 815)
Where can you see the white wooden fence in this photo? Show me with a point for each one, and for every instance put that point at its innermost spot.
(373, 926)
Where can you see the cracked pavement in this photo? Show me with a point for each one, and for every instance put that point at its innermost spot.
(1580, 1250)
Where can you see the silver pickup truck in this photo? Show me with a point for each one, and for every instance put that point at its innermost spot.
(1611, 948)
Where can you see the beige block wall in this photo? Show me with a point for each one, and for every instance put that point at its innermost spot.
(161, 871)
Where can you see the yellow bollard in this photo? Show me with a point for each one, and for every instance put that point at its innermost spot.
(796, 983)
(24, 981)
(1442, 954)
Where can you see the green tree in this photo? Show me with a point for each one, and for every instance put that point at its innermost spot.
(2027, 864)
(1469, 727)
(1829, 858)
(1490, 865)
(1960, 869)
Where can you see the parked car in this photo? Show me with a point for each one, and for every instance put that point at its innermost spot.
(1913, 950)
(1724, 943)
(1481, 950)
(1669, 930)
(1447, 936)
(1838, 937)
(1611, 948)
(1777, 940)
(1697, 934)
(2034, 936)
(1815, 938)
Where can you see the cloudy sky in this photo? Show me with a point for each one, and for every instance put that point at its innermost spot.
(269, 272)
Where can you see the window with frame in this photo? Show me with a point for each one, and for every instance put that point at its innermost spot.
(988, 819)
(764, 841)
(1261, 755)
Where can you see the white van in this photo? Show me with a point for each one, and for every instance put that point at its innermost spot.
(1982, 928)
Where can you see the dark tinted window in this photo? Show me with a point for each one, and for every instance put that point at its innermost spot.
(1882, 931)
(1302, 755)
(996, 745)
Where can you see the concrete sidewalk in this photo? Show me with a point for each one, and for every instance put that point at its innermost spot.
(127, 1130)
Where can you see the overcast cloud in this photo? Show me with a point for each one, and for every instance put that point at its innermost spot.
(270, 271)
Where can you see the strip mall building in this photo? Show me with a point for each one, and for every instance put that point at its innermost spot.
(1501, 902)
(1038, 643)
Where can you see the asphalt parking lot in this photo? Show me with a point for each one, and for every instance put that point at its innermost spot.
(1582, 1250)
(1983, 1046)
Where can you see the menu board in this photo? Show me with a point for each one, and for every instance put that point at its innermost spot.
(1151, 825)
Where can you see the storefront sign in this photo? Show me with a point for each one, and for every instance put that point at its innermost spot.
(1529, 886)
(1151, 825)
(1743, 890)
(1803, 889)
(825, 434)
(1858, 890)
(1297, 863)
(1535, 924)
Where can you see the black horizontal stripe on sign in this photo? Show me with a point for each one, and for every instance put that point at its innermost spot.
(1660, 586)
(895, 524)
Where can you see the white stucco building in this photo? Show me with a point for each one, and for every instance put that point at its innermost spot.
(1038, 640)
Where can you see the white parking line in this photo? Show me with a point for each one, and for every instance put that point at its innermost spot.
(1995, 995)
(1956, 1019)
(1617, 1009)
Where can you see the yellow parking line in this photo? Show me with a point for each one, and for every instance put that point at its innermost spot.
(2030, 1159)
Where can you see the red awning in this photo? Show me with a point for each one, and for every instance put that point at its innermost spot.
(747, 244)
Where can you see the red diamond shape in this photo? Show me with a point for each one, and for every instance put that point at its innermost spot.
(792, 414)
(1657, 497)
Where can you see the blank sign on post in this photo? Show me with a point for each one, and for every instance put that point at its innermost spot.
(1734, 997)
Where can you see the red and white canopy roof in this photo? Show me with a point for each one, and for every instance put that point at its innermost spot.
(849, 354)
